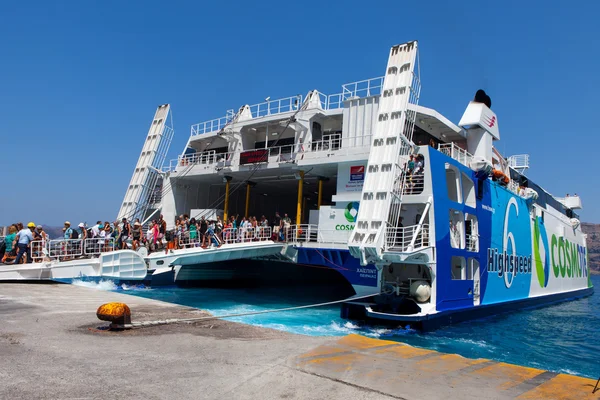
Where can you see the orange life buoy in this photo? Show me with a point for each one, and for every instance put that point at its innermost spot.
(497, 174)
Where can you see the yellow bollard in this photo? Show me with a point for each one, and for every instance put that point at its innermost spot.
(116, 313)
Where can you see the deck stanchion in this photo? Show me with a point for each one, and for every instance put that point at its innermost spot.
(226, 205)
(300, 177)
(320, 195)
(249, 185)
(247, 200)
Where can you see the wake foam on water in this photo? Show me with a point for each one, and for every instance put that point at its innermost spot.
(477, 343)
(107, 285)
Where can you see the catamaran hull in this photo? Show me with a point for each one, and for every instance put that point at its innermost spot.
(121, 265)
(434, 321)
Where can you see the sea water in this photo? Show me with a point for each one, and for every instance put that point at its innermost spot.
(561, 337)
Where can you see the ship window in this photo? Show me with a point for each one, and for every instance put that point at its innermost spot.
(471, 233)
(457, 231)
(453, 183)
(459, 270)
(468, 190)
(472, 268)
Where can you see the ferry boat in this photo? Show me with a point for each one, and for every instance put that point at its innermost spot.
(423, 216)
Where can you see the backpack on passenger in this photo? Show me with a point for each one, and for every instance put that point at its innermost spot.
(74, 234)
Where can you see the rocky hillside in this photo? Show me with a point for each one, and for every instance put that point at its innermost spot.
(593, 242)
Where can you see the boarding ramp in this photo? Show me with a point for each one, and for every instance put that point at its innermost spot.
(392, 145)
(146, 178)
(311, 235)
(238, 245)
(68, 259)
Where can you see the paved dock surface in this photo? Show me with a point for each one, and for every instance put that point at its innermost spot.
(51, 347)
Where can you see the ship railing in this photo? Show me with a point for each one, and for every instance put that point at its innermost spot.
(311, 233)
(38, 250)
(278, 106)
(407, 239)
(457, 153)
(513, 186)
(205, 158)
(286, 153)
(95, 246)
(245, 235)
(301, 233)
(472, 242)
(213, 125)
(335, 101)
(230, 235)
(329, 142)
(67, 249)
(364, 88)
(413, 184)
(186, 241)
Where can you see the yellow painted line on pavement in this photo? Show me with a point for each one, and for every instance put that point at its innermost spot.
(322, 351)
(347, 344)
(341, 363)
(355, 352)
(404, 351)
(563, 387)
(362, 342)
(445, 363)
(513, 375)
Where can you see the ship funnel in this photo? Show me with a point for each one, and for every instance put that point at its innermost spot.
(482, 97)
(481, 125)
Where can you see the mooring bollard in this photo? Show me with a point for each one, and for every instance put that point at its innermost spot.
(115, 313)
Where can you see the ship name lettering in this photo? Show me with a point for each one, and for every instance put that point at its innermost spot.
(503, 263)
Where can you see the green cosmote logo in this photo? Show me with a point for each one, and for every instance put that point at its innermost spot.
(542, 267)
(569, 260)
(351, 212)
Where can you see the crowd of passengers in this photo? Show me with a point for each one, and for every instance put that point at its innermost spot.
(413, 171)
(17, 245)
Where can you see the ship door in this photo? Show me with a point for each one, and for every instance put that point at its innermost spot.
(473, 270)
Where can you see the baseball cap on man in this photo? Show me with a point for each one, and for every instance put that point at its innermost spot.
(31, 225)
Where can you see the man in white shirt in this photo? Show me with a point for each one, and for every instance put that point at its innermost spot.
(96, 229)
(24, 237)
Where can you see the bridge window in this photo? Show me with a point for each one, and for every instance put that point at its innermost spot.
(468, 190)
(457, 229)
(453, 183)
(459, 270)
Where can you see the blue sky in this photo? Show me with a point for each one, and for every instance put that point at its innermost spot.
(81, 81)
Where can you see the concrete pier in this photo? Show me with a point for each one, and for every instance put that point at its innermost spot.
(51, 347)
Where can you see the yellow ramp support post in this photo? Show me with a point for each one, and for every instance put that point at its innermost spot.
(300, 176)
(227, 179)
(320, 195)
(249, 185)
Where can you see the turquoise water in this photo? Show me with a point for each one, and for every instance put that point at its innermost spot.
(560, 338)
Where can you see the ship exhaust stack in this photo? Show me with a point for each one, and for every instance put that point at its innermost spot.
(481, 125)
